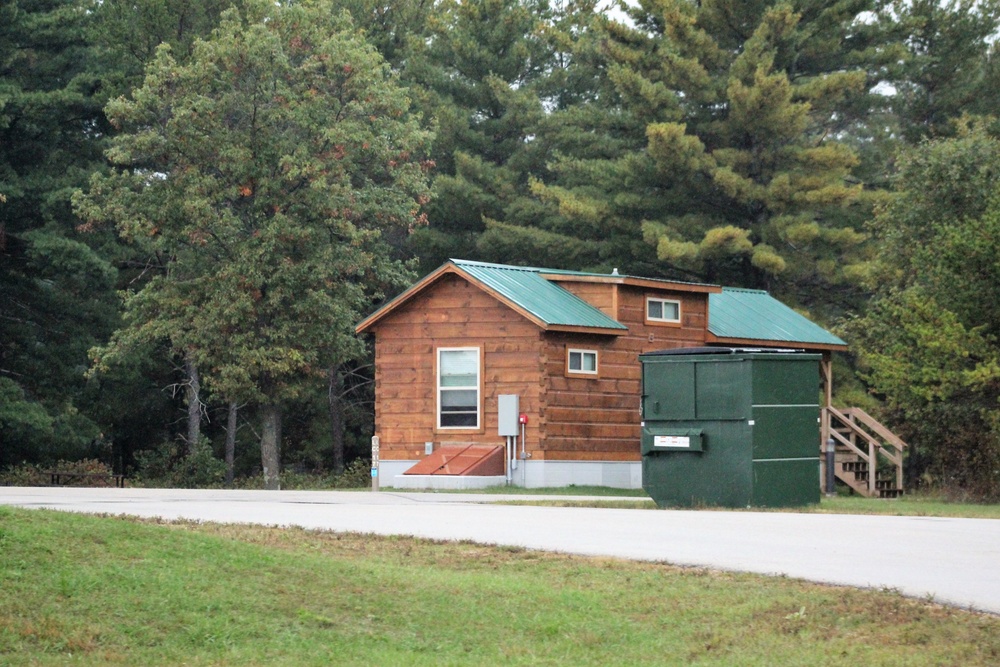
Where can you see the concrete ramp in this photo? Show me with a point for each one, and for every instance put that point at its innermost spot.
(463, 460)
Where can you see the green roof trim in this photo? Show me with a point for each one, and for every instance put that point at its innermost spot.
(587, 274)
(545, 300)
(756, 315)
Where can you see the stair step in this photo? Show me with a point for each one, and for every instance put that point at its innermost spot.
(877, 478)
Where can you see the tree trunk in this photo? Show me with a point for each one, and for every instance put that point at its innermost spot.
(194, 404)
(231, 441)
(336, 410)
(270, 443)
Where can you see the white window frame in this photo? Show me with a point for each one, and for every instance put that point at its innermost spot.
(664, 320)
(478, 388)
(570, 351)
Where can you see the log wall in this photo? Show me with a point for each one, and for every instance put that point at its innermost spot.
(450, 313)
(571, 417)
(597, 418)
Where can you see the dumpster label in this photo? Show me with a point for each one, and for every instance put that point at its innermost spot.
(671, 441)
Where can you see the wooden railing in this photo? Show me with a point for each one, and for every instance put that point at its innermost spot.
(860, 438)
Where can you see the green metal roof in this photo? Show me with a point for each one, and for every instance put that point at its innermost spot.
(545, 300)
(733, 313)
(755, 314)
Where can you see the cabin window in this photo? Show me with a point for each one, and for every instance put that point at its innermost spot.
(663, 310)
(458, 387)
(581, 362)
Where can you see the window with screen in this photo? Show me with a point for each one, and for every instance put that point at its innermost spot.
(458, 387)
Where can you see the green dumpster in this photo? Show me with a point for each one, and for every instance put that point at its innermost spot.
(730, 427)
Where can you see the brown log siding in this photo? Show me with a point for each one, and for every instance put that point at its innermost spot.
(451, 313)
(598, 418)
(571, 417)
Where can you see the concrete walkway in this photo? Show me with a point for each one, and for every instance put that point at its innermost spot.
(952, 561)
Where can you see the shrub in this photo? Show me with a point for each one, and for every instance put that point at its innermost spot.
(28, 474)
(171, 466)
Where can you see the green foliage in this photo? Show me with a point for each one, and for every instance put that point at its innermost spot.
(720, 143)
(180, 467)
(934, 357)
(56, 297)
(264, 171)
(949, 68)
(28, 474)
(930, 341)
(484, 75)
(356, 475)
(128, 33)
(24, 424)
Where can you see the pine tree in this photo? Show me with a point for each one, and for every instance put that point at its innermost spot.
(947, 69)
(713, 146)
(263, 171)
(483, 74)
(56, 290)
(127, 34)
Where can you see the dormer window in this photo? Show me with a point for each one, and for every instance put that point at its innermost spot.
(666, 311)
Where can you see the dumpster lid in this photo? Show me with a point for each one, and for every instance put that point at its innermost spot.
(678, 351)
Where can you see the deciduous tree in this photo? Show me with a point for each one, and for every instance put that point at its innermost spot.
(929, 343)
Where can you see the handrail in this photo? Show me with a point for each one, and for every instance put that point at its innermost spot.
(846, 418)
(892, 449)
(876, 426)
(850, 445)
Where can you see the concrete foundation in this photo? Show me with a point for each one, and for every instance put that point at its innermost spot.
(529, 474)
(447, 482)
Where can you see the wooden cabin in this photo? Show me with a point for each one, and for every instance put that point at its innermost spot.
(566, 344)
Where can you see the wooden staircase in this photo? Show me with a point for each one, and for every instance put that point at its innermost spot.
(868, 457)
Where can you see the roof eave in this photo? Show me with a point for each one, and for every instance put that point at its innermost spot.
(406, 295)
(756, 342)
(428, 280)
(633, 281)
(585, 330)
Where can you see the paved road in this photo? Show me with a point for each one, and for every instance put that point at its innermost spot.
(954, 561)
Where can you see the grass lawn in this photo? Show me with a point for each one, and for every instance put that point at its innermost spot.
(910, 505)
(111, 591)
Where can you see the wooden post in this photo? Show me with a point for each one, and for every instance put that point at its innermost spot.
(826, 379)
(826, 369)
(872, 465)
(899, 469)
